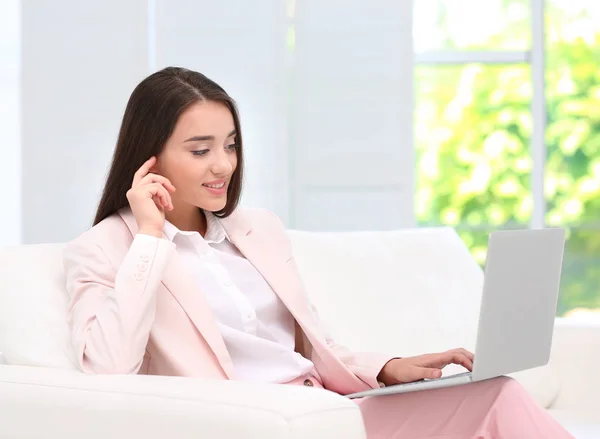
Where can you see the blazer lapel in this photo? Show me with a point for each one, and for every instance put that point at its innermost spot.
(180, 283)
(276, 268)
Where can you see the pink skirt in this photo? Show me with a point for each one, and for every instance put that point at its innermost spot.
(499, 408)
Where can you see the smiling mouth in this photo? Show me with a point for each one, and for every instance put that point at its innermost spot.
(214, 186)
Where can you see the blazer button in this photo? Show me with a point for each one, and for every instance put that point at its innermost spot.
(139, 276)
(308, 383)
(142, 266)
(144, 258)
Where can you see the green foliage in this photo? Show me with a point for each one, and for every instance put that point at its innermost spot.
(473, 133)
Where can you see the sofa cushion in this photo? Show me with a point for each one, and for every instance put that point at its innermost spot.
(73, 405)
(33, 304)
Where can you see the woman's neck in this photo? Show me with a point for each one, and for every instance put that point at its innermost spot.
(189, 220)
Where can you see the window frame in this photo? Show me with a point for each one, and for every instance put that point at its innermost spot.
(535, 57)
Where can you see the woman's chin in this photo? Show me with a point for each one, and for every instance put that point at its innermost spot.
(213, 205)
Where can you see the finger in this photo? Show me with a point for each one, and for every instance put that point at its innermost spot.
(427, 373)
(418, 373)
(155, 178)
(143, 170)
(468, 354)
(157, 189)
(432, 360)
(161, 201)
(166, 198)
(463, 351)
(462, 360)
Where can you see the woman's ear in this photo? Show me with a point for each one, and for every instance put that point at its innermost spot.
(156, 168)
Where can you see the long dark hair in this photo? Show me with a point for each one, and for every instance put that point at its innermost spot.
(149, 120)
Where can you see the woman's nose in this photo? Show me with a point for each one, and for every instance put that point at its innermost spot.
(222, 165)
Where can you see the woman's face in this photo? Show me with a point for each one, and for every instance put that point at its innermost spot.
(200, 157)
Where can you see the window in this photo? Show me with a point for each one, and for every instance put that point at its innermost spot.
(508, 125)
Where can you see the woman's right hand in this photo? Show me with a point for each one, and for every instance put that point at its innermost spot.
(149, 197)
(421, 367)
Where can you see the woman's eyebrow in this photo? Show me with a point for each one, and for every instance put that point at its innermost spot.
(205, 138)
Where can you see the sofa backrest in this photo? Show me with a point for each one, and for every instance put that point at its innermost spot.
(405, 292)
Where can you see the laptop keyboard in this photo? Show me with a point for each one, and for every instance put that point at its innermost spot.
(438, 379)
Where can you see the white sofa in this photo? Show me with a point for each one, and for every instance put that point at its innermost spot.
(403, 292)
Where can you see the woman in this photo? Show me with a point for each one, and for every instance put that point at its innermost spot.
(174, 279)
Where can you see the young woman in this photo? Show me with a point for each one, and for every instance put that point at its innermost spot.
(175, 279)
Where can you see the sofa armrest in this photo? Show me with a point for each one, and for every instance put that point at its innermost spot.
(41, 402)
(576, 358)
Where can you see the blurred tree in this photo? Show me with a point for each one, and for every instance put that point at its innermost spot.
(473, 130)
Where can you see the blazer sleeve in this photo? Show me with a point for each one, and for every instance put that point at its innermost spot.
(365, 365)
(112, 309)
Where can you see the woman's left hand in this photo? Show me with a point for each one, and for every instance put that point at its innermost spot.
(428, 366)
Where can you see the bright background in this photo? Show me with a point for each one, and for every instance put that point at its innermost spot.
(507, 125)
(357, 114)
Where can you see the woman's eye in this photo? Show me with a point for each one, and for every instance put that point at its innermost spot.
(200, 152)
(232, 146)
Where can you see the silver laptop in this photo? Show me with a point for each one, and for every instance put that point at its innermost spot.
(518, 308)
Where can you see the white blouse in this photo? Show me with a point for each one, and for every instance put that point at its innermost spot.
(257, 328)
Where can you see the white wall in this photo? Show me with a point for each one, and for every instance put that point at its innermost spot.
(352, 105)
(328, 136)
(10, 147)
(81, 60)
(241, 45)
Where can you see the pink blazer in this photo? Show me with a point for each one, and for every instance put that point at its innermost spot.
(135, 308)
